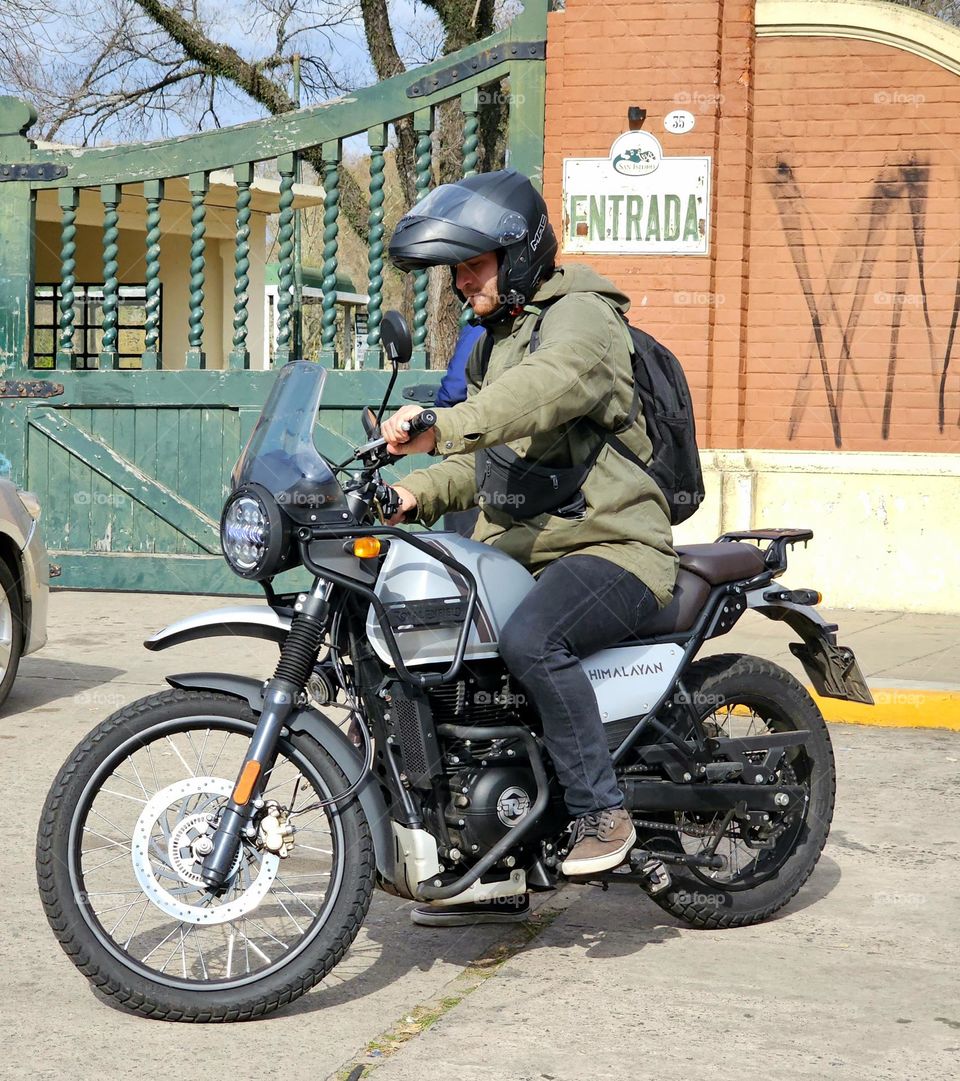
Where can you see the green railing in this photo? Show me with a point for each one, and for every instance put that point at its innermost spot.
(131, 466)
(516, 53)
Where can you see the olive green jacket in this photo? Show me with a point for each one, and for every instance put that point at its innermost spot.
(530, 401)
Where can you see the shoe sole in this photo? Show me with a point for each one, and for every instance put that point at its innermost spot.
(577, 868)
(460, 919)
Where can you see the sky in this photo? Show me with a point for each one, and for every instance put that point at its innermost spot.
(413, 24)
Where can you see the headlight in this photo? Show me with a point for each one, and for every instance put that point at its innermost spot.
(255, 535)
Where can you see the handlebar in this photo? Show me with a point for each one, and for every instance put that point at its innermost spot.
(423, 422)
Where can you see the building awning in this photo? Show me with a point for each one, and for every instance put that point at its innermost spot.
(312, 278)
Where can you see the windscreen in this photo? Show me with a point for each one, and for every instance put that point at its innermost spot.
(281, 455)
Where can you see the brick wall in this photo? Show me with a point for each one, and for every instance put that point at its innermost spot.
(822, 315)
(855, 227)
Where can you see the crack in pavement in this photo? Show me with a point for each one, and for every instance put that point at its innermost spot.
(473, 976)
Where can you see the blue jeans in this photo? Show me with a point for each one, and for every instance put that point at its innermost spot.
(580, 604)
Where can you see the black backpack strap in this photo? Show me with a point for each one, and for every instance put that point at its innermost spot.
(479, 359)
(535, 333)
(608, 437)
(625, 452)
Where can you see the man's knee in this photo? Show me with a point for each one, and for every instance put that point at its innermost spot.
(520, 647)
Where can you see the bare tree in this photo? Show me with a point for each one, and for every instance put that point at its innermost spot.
(132, 68)
(946, 10)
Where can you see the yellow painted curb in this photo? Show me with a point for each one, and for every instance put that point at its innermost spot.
(896, 707)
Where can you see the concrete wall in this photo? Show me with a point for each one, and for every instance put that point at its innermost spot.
(818, 331)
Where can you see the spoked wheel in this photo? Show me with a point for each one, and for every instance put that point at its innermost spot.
(122, 838)
(764, 860)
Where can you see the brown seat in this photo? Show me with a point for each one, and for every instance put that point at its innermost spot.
(689, 596)
(719, 563)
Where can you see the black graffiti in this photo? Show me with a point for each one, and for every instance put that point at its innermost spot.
(897, 197)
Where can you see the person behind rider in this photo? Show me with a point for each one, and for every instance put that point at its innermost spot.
(453, 389)
(603, 561)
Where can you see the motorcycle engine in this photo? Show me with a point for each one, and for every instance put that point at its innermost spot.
(487, 803)
(492, 786)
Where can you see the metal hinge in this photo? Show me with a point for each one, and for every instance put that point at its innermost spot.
(42, 171)
(487, 58)
(29, 388)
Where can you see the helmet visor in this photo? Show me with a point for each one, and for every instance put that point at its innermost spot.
(463, 208)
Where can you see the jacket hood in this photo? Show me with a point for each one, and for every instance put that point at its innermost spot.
(578, 278)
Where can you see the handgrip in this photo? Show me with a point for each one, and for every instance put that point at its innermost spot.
(422, 422)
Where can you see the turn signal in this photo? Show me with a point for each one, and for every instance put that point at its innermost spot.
(248, 778)
(366, 547)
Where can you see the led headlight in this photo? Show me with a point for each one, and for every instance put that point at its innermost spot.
(254, 534)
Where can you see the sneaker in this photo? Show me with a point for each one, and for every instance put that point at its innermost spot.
(601, 841)
(499, 910)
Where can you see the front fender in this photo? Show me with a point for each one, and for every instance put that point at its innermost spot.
(245, 621)
(325, 732)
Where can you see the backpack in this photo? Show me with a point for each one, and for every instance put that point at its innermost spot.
(661, 391)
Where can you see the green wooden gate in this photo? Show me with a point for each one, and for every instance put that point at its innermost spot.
(130, 456)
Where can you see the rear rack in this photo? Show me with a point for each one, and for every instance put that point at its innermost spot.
(775, 554)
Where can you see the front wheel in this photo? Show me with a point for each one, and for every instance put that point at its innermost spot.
(765, 864)
(123, 834)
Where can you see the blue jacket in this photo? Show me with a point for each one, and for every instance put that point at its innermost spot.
(453, 386)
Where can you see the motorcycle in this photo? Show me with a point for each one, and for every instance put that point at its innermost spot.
(208, 853)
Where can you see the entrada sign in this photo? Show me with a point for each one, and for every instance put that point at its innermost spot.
(636, 201)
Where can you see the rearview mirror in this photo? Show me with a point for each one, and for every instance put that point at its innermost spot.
(369, 421)
(395, 338)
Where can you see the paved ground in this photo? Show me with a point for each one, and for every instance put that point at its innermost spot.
(856, 980)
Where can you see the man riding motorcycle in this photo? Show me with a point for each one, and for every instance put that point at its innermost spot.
(603, 558)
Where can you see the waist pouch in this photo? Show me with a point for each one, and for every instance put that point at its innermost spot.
(524, 489)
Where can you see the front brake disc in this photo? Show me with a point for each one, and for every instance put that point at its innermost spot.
(182, 856)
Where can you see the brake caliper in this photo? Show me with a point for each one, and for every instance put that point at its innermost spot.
(276, 831)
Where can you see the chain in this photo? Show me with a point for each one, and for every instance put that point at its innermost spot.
(690, 831)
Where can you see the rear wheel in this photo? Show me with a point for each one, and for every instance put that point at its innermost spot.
(766, 863)
(122, 837)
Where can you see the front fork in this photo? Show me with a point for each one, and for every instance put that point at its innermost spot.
(297, 658)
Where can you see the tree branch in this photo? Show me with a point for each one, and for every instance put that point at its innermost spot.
(219, 59)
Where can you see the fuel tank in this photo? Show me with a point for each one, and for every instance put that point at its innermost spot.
(416, 589)
(627, 679)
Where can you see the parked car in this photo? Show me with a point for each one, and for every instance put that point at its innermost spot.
(24, 588)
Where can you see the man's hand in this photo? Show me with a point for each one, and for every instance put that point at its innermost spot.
(399, 441)
(408, 502)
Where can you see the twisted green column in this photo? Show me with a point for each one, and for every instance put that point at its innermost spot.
(423, 126)
(285, 295)
(150, 360)
(239, 355)
(69, 201)
(110, 197)
(199, 185)
(331, 211)
(377, 140)
(470, 104)
(17, 251)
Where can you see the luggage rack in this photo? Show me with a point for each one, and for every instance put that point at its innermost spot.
(775, 554)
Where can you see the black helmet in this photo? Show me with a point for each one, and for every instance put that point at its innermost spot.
(486, 212)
